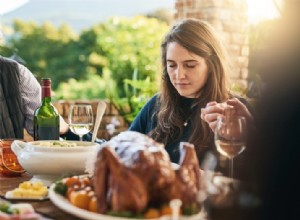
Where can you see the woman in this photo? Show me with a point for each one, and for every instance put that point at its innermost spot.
(195, 66)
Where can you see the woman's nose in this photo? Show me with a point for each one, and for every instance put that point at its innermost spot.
(180, 73)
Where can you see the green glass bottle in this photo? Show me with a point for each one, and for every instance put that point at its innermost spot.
(46, 117)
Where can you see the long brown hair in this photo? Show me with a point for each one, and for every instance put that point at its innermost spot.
(199, 38)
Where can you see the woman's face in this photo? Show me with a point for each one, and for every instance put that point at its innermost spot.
(188, 72)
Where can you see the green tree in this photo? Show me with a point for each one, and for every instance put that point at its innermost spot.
(93, 87)
(48, 51)
(130, 44)
(120, 44)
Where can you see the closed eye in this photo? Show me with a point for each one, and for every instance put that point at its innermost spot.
(171, 64)
(191, 64)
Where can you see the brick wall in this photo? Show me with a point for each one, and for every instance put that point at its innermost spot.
(229, 18)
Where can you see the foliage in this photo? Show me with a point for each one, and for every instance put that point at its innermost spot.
(99, 62)
(91, 88)
(137, 93)
(118, 59)
(5, 51)
(48, 51)
(119, 44)
(130, 44)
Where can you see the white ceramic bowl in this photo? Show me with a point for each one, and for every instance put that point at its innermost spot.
(49, 163)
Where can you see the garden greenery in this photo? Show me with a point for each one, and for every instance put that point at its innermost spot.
(118, 60)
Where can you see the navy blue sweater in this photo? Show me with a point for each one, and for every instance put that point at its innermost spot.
(145, 122)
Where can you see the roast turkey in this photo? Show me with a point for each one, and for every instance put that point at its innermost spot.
(133, 172)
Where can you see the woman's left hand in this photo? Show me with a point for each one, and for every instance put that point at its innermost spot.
(238, 108)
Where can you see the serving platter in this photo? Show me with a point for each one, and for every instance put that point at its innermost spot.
(63, 203)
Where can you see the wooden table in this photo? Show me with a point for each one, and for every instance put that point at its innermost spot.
(49, 211)
(45, 208)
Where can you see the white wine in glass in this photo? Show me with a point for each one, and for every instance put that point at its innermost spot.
(230, 137)
(81, 119)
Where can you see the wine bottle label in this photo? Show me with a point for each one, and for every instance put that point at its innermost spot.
(47, 133)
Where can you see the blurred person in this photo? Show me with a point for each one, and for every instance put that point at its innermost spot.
(270, 187)
(20, 95)
(195, 68)
(272, 162)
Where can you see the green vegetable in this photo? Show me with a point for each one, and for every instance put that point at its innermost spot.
(14, 211)
(60, 188)
(191, 209)
(4, 206)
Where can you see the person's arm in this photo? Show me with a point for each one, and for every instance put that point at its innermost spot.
(63, 125)
(31, 95)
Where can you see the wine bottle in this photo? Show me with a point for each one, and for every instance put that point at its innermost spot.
(46, 117)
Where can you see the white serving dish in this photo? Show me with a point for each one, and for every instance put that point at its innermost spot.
(48, 163)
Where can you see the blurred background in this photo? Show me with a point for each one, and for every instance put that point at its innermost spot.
(110, 49)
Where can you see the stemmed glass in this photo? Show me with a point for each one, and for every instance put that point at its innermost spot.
(81, 119)
(230, 137)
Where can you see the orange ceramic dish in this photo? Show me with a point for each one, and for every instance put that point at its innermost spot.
(9, 164)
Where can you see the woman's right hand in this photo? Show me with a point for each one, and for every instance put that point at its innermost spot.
(233, 106)
(211, 113)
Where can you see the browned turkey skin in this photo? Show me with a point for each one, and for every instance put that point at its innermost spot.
(133, 172)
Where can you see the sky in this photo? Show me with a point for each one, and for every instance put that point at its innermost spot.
(9, 5)
(257, 9)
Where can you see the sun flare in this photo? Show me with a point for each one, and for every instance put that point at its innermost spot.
(259, 10)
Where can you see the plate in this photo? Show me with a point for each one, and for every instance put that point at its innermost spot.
(64, 204)
(9, 196)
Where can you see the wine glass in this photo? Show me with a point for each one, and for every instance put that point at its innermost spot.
(230, 137)
(81, 119)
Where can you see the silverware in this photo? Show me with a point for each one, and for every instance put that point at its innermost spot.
(100, 112)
